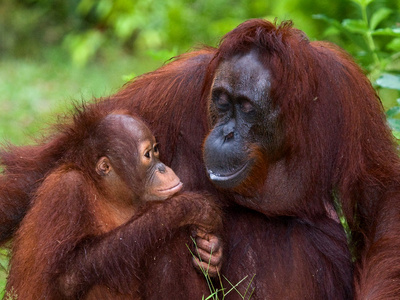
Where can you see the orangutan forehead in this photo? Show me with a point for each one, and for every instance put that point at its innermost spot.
(245, 73)
(128, 125)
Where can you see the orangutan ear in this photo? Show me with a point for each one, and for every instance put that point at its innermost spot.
(103, 166)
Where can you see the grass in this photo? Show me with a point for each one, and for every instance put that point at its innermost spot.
(33, 91)
(3, 270)
(221, 293)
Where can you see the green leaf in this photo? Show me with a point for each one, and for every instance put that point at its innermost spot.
(394, 124)
(363, 3)
(387, 31)
(83, 47)
(104, 8)
(379, 16)
(327, 20)
(125, 26)
(128, 77)
(162, 55)
(394, 45)
(355, 26)
(393, 111)
(389, 81)
(396, 134)
(335, 26)
(85, 6)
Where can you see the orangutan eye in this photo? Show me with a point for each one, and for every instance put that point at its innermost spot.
(147, 154)
(246, 107)
(155, 149)
(221, 101)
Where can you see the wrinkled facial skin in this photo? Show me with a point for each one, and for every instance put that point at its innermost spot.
(245, 122)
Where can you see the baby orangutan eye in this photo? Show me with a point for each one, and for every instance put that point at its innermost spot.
(156, 148)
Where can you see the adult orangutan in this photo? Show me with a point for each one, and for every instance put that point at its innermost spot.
(296, 126)
(100, 227)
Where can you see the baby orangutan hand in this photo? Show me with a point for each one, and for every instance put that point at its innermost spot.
(208, 252)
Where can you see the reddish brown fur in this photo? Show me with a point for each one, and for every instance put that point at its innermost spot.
(168, 99)
(336, 144)
(76, 242)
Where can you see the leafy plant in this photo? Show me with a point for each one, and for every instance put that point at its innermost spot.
(377, 48)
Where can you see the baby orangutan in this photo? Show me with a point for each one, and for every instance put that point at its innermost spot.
(108, 222)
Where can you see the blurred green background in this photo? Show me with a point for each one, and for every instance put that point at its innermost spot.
(55, 51)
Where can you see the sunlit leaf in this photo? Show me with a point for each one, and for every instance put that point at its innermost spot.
(125, 26)
(389, 81)
(162, 55)
(330, 21)
(103, 8)
(379, 16)
(396, 134)
(128, 77)
(85, 6)
(355, 26)
(363, 3)
(83, 47)
(387, 31)
(394, 124)
(393, 111)
(394, 45)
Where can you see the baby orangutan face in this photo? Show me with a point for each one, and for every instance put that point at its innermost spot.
(136, 172)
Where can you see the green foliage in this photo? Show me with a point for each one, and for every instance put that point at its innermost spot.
(27, 25)
(377, 48)
(87, 27)
(3, 269)
(140, 25)
(33, 92)
(157, 25)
